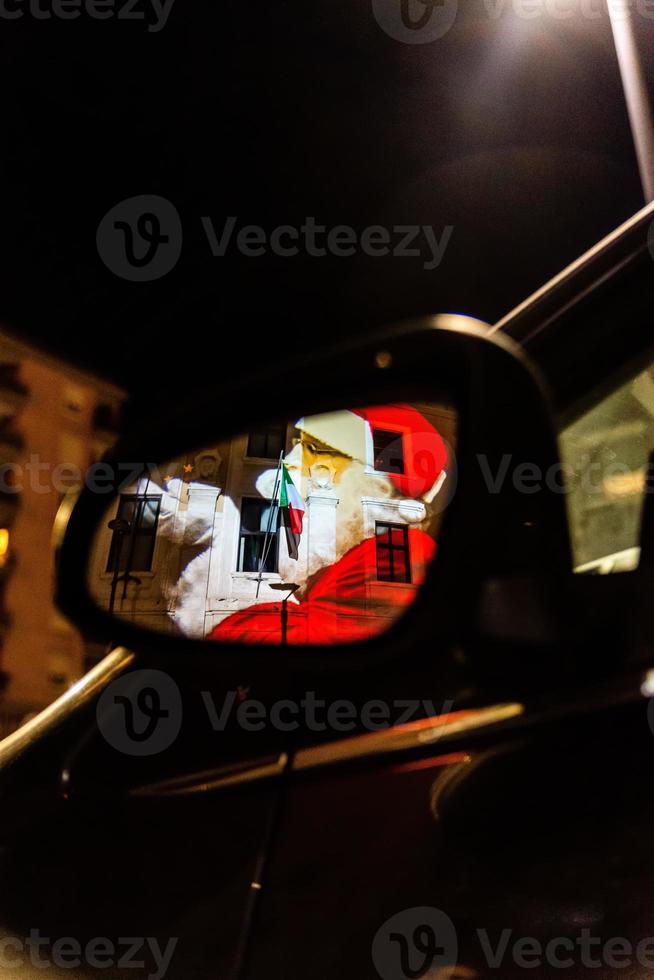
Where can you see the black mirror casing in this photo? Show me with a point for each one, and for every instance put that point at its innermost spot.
(491, 534)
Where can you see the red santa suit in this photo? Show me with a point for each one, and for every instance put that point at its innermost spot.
(425, 452)
(345, 602)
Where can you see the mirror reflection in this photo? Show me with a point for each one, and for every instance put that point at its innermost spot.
(314, 531)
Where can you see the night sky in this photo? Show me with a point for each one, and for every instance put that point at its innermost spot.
(511, 131)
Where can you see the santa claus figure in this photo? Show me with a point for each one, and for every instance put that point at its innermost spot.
(369, 486)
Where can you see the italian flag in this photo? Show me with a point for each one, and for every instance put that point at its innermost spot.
(291, 507)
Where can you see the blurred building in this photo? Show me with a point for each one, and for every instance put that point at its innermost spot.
(54, 422)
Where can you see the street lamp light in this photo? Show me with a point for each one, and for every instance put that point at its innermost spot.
(289, 587)
(635, 92)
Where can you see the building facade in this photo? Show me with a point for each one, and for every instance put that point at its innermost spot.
(199, 546)
(54, 422)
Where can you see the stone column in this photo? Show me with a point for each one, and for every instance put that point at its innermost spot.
(321, 507)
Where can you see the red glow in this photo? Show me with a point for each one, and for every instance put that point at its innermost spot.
(362, 594)
(425, 454)
(434, 762)
(345, 602)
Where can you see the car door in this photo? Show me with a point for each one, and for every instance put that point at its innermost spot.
(349, 828)
(531, 852)
(103, 870)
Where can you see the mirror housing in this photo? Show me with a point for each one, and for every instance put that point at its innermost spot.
(505, 525)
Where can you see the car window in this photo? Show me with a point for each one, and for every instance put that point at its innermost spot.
(604, 454)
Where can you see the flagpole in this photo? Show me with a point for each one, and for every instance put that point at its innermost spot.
(266, 540)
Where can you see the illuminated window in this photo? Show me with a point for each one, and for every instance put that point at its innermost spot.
(267, 442)
(132, 545)
(393, 563)
(258, 539)
(388, 451)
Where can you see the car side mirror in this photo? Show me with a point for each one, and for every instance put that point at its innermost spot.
(432, 426)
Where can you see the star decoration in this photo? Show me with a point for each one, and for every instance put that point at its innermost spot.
(188, 467)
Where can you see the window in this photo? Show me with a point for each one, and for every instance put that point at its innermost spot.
(393, 563)
(106, 418)
(132, 545)
(388, 450)
(267, 442)
(604, 454)
(10, 378)
(257, 519)
(4, 546)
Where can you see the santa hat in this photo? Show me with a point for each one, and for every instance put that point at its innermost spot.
(423, 450)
